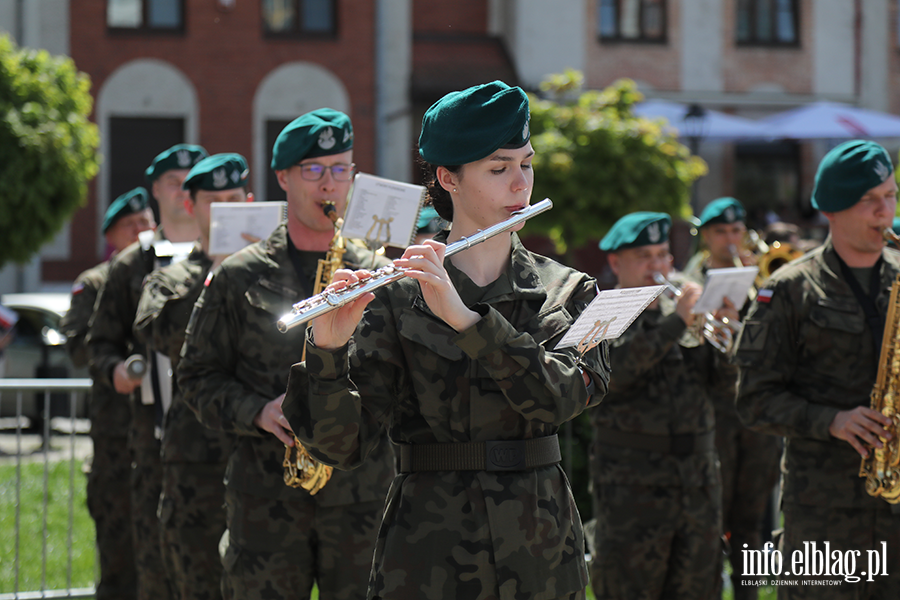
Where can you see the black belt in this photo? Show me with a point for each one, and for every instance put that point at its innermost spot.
(501, 455)
(679, 445)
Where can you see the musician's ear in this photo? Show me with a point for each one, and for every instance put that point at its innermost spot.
(446, 178)
(613, 258)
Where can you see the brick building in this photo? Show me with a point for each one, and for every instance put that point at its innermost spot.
(228, 74)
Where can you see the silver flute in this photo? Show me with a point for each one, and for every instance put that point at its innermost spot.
(318, 305)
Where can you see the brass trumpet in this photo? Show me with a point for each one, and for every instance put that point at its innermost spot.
(718, 332)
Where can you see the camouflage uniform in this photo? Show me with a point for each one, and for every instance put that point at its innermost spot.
(192, 504)
(655, 475)
(234, 361)
(111, 340)
(462, 534)
(806, 353)
(108, 498)
(749, 465)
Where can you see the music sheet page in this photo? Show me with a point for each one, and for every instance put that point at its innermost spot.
(228, 220)
(609, 315)
(383, 211)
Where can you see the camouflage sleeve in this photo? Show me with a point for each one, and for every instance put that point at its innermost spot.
(539, 383)
(766, 354)
(206, 370)
(640, 348)
(340, 416)
(74, 325)
(109, 332)
(155, 324)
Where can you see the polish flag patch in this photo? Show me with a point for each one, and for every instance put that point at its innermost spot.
(209, 278)
(764, 296)
(77, 289)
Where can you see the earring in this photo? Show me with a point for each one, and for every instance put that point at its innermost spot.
(454, 190)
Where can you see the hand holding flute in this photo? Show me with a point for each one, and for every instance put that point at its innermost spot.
(424, 263)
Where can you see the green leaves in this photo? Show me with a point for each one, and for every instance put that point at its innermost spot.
(598, 162)
(48, 147)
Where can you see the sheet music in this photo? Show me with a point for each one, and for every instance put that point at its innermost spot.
(383, 211)
(733, 282)
(610, 314)
(228, 220)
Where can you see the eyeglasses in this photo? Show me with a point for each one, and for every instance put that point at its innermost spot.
(315, 171)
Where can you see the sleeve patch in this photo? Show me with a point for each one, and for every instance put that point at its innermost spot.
(753, 336)
(764, 295)
(209, 278)
(77, 288)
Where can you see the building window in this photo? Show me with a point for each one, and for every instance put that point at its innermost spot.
(299, 17)
(147, 15)
(632, 20)
(768, 22)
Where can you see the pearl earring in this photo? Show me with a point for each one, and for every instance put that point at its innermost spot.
(454, 190)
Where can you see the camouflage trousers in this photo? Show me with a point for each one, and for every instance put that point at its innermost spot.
(146, 486)
(109, 503)
(656, 542)
(846, 530)
(749, 466)
(192, 521)
(276, 549)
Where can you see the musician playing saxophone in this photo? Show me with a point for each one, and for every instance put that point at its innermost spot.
(653, 462)
(459, 360)
(280, 540)
(748, 459)
(808, 357)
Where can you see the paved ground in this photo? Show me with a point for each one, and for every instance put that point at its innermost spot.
(61, 446)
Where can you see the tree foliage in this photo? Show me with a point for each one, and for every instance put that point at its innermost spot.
(48, 147)
(597, 161)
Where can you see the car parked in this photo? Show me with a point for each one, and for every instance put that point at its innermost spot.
(38, 351)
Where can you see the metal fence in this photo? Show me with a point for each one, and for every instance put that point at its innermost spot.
(53, 392)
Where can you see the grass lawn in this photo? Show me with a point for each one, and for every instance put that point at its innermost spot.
(83, 545)
(32, 527)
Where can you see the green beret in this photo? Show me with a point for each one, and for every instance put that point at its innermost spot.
(466, 126)
(429, 221)
(847, 172)
(218, 172)
(723, 210)
(322, 132)
(179, 156)
(127, 204)
(637, 229)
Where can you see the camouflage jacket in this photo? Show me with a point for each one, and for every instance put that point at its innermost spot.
(162, 317)
(501, 379)
(662, 384)
(234, 361)
(804, 356)
(110, 412)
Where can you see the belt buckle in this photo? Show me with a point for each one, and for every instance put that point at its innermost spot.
(504, 455)
(682, 444)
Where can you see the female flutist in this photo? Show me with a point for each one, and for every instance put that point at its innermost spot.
(458, 361)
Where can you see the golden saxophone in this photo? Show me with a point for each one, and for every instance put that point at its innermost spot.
(320, 304)
(301, 469)
(881, 467)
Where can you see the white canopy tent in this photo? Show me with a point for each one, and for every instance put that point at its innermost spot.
(712, 125)
(831, 120)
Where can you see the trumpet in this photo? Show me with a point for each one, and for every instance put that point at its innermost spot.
(718, 332)
(320, 304)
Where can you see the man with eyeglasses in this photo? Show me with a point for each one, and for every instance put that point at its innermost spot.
(233, 373)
